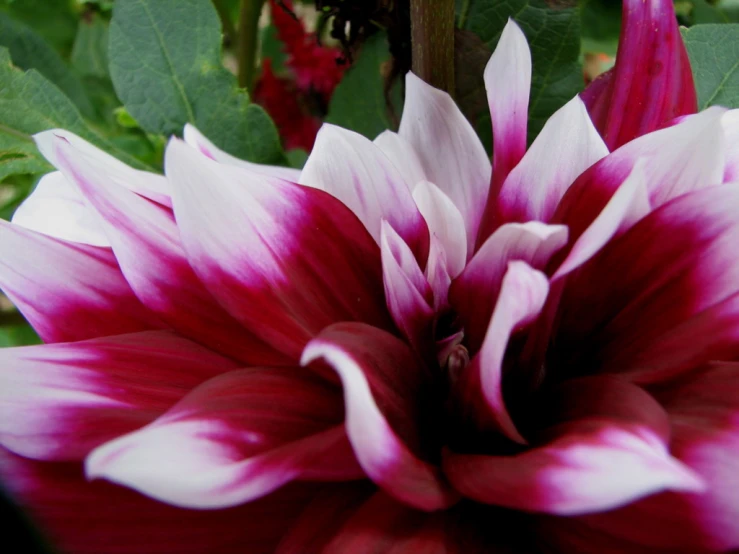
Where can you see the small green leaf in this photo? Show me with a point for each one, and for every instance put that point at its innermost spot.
(90, 50)
(165, 61)
(30, 51)
(714, 57)
(358, 103)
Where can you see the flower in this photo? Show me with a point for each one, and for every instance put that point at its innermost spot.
(410, 351)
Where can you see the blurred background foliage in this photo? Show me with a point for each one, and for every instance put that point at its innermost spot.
(92, 66)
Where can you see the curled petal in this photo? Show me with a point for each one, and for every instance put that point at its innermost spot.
(403, 156)
(383, 410)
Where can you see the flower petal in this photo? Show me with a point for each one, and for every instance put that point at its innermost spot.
(146, 243)
(301, 260)
(652, 72)
(523, 292)
(57, 209)
(383, 410)
(101, 518)
(567, 145)
(85, 295)
(235, 438)
(591, 462)
(730, 123)
(58, 402)
(437, 274)
(445, 221)
(473, 294)
(197, 140)
(452, 156)
(351, 168)
(403, 155)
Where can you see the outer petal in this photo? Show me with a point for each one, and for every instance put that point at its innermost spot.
(522, 295)
(197, 140)
(146, 242)
(592, 461)
(652, 72)
(300, 261)
(403, 156)
(730, 123)
(383, 410)
(452, 156)
(351, 168)
(474, 293)
(235, 438)
(149, 185)
(101, 518)
(84, 296)
(57, 209)
(58, 402)
(567, 145)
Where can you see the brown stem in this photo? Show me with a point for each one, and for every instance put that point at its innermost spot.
(248, 43)
(432, 42)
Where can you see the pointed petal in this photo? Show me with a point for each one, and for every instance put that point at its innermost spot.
(84, 296)
(452, 156)
(437, 274)
(197, 140)
(146, 242)
(382, 410)
(591, 461)
(302, 260)
(58, 402)
(508, 82)
(348, 166)
(652, 72)
(445, 221)
(473, 294)
(101, 518)
(522, 295)
(407, 293)
(57, 209)
(403, 155)
(567, 145)
(234, 439)
(149, 185)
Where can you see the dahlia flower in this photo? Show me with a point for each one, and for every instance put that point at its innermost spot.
(408, 351)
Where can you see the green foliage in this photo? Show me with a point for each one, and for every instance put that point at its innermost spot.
(601, 25)
(359, 101)
(165, 61)
(55, 20)
(714, 57)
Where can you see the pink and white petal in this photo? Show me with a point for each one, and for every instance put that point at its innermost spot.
(57, 209)
(403, 155)
(628, 205)
(567, 145)
(84, 296)
(452, 155)
(146, 184)
(445, 221)
(677, 274)
(730, 124)
(474, 293)
(383, 410)
(197, 140)
(437, 274)
(652, 71)
(236, 438)
(590, 463)
(58, 402)
(479, 389)
(146, 242)
(508, 83)
(300, 261)
(351, 168)
(102, 518)
(685, 157)
(408, 295)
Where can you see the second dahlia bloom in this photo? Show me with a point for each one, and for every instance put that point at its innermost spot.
(408, 351)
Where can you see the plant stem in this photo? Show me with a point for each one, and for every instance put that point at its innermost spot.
(432, 42)
(229, 31)
(248, 35)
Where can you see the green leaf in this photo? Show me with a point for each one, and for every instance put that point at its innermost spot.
(553, 32)
(714, 57)
(29, 50)
(90, 50)
(55, 20)
(30, 104)
(165, 61)
(272, 48)
(601, 25)
(358, 102)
